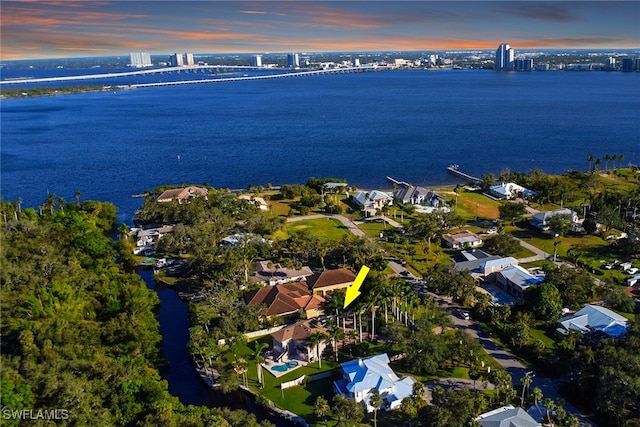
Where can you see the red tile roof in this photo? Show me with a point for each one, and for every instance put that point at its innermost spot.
(331, 278)
(284, 299)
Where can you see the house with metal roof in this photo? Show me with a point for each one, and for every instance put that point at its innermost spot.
(423, 199)
(593, 318)
(462, 240)
(362, 376)
(372, 200)
(515, 280)
(540, 220)
(508, 190)
(507, 416)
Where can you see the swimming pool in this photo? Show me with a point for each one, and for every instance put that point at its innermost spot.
(498, 295)
(285, 367)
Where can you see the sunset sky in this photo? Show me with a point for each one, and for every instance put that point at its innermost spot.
(67, 28)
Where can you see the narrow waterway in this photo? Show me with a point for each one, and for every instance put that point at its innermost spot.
(184, 382)
(183, 379)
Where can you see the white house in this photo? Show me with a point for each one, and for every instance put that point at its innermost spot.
(540, 220)
(515, 280)
(371, 200)
(508, 190)
(507, 416)
(362, 376)
(463, 240)
(593, 318)
(424, 200)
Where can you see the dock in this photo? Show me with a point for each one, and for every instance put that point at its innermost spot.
(398, 183)
(455, 169)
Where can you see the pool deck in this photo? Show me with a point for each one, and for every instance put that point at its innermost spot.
(268, 365)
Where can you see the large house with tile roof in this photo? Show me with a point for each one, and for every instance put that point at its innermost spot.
(294, 342)
(286, 300)
(181, 194)
(361, 376)
(330, 280)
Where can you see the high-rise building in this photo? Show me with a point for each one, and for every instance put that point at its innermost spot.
(140, 59)
(256, 60)
(293, 60)
(176, 60)
(188, 59)
(611, 63)
(523, 64)
(504, 57)
(627, 64)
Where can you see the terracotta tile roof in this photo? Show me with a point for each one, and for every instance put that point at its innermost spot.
(181, 194)
(300, 331)
(331, 278)
(284, 299)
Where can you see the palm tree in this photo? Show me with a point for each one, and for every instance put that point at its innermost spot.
(607, 157)
(590, 159)
(322, 408)
(597, 163)
(257, 355)
(77, 196)
(549, 405)
(337, 334)
(316, 338)
(621, 158)
(375, 400)
(526, 381)
(614, 158)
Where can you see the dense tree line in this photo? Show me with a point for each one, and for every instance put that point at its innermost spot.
(78, 333)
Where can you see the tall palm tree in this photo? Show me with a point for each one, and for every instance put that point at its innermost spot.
(526, 381)
(590, 159)
(336, 333)
(614, 158)
(316, 338)
(621, 158)
(607, 157)
(375, 400)
(257, 355)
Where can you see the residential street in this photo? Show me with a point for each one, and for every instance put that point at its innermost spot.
(549, 386)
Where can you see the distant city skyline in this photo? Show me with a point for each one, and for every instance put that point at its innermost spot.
(39, 30)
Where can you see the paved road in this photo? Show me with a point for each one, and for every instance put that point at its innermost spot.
(516, 369)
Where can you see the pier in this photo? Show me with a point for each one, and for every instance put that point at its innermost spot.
(454, 169)
(398, 183)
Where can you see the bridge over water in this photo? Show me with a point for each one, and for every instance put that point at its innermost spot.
(195, 69)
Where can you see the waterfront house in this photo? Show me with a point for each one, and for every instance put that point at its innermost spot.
(508, 191)
(294, 342)
(258, 201)
(361, 376)
(463, 240)
(424, 200)
(181, 194)
(507, 416)
(271, 274)
(371, 201)
(593, 318)
(330, 280)
(540, 220)
(286, 300)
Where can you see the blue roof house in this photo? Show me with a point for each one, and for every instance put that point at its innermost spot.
(594, 318)
(362, 376)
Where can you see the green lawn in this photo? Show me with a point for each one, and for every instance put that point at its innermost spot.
(327, 229)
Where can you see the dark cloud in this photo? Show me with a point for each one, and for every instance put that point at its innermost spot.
(542, 11)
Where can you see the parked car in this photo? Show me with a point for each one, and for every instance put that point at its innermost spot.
(465, 315)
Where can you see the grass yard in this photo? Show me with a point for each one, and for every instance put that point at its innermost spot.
(327, 229)
(471, 204)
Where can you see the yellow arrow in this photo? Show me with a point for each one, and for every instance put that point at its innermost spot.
(353, 291)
